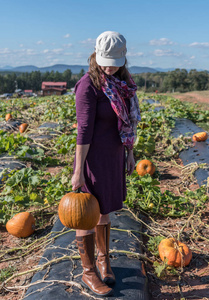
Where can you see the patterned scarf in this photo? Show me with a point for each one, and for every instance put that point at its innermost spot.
(116, 91)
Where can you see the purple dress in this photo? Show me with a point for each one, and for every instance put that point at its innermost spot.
(104, 168)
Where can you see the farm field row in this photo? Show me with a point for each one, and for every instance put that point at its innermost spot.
(169, 203)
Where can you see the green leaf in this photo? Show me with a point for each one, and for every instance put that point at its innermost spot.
(19, 198)
(33, 196)
(7, 146)
(34, 180)
(159, 268)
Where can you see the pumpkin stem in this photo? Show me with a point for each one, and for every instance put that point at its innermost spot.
(181, 252)
(78, 190)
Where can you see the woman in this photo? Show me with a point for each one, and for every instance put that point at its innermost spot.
(107, 115)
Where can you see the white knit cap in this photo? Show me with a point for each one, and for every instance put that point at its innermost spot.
(110, 49)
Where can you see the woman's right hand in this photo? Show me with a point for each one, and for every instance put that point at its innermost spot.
(77, 180)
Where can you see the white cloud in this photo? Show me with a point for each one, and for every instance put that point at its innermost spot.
(88, 42)
(53, 51)
(30, 52)
(68, 45)
(57, 51)
(40, 43)
(67, 36)
(56, 60)
(20, 52)
(5, 51)
(21, 45)
(192, 57)
(188, 62)
(199, 45)
(161, 42)
(160, 52)
(68, 53)
(134, 54)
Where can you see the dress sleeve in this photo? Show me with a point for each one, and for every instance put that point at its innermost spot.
(86, 101)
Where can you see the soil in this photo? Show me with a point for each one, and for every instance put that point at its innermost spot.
(195, 97)
(190, 283)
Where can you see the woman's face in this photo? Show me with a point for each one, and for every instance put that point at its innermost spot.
(110, 70)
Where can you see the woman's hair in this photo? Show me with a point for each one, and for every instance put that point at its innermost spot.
(95, 72)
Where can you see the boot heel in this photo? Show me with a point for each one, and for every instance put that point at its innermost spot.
(85, 286)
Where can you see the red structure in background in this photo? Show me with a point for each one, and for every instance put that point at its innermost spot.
(53, 88)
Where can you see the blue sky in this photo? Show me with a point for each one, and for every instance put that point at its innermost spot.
(159, 33)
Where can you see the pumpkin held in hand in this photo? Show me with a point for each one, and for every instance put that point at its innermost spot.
(200, 136)
(8, 117)
(23, 127)
(21, 225)
(145, 166)
(177, 254)
(79, 211)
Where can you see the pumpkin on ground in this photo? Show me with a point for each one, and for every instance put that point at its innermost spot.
(145, 166)
(23, 127)
(200, 136)
(21, 225)
(79, 211)
(177, 253)
(8, 117)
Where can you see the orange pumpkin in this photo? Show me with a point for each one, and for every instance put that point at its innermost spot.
(79, 211)
(21, 225)
(8, 117)
(178, 254)
(23, 127)
(75, 125)
(145, 166)
(200, 136)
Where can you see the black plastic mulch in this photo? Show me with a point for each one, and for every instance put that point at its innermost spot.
(131, 280)
(198, 153)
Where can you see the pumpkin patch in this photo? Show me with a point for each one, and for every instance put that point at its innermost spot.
(47, 166)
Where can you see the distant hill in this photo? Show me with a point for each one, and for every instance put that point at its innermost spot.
(75, 69)
(7, 68)
(138, 70)
(165, 70)
(24, 69)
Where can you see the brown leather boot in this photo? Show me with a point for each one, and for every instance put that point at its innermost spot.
(91, 279)
(103, 261)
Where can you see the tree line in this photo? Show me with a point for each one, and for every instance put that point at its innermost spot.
(179, 80)
(10, 81)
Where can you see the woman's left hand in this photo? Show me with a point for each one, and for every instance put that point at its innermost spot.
(130, 162)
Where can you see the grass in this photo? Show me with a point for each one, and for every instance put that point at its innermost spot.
(6, 273)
